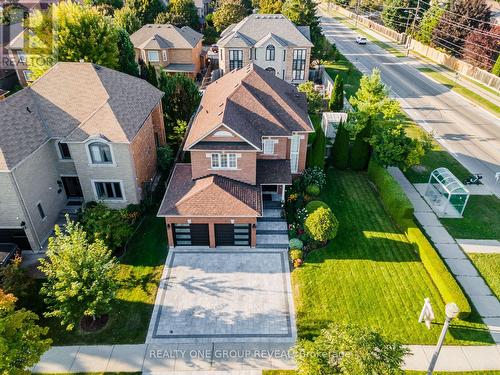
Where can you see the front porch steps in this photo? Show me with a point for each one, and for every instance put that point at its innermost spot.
(272, 229)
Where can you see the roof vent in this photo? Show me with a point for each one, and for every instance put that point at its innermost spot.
(28, 109)
(220, 114)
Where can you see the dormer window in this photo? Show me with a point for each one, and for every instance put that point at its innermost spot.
(100, 153)
(270, 53)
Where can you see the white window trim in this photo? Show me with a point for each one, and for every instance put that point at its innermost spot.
(228, 168)
(21, 56)
(164, 55)
(94, 189)
(223, 134)
(268, 141)
(59, 155)
(89, 156)
(295, 154)
(154, 61)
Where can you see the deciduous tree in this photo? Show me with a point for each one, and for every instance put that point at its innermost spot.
(147, 10)
(126, 18)
(303, 13)
(349, 350)
(270, 6)
(14, 278)
(228, 12)
(71, 32)
(482, 47)
(180, 13)
(321, 224)
(22, 341)
(463, 17)
(81, 276)
(314, 98)
(429, 22)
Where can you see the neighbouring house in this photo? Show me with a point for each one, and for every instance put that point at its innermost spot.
(169, 48)
(203, 7)
(270, 41)
(8, 67)
(79, 133)
(246, 142)
(19, 59)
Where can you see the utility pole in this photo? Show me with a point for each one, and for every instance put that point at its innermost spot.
(415, 18)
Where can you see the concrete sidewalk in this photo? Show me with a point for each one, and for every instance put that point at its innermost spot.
(485, 302)
(235, 358)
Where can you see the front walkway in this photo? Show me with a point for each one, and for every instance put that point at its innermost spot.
(459, 264)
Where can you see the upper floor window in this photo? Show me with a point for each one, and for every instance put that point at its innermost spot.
(299, 64)
(21, 56)
(223, 134)
(224, 161)
(235, 59)
(268, 146)
(100, 153)
(153, 56)
(63, 150)
(108, 190)
(270, 53)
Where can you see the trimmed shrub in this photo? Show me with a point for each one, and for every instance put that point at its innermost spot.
(316, 156)
(314, 205)
(448, 287)
(322, 225)
(295, 243)
(314, 176)
(313, 190)
(360, 150)
(340, 149)
(295, 254)
(392, 195)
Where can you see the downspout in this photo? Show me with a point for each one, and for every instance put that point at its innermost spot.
(25, 209)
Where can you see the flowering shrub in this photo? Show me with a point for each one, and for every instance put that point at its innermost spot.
(292, 197)
(295, 243)
(314, 176)
(295, 254)
(301, 215)
(297, 263)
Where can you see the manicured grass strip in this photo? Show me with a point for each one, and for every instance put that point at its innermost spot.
(350, 75)
(279, 372)
(292, 372)
(488, 266)
(371, 275)
(90, 373)
(465, 92)
(481, 219)
(139, 275)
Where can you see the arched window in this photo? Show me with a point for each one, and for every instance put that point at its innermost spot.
(100, 153)
(270, 52)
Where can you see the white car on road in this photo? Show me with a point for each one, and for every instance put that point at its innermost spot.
(361, 40)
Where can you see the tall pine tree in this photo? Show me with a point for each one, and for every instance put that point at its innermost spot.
(340, 149)
(337, 96)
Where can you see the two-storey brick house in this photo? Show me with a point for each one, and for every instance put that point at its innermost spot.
(270, 41)
(169, 48)
(247, 140)
(79, 133)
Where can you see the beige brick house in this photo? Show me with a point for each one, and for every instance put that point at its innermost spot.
(79, 133)
(169, 48)
(270, 41)
(247, 140)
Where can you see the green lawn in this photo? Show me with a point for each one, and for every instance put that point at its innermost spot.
(488, 266)
(465, 92)
(350, 75)
(139, 274)
(481, 219)
(292, 372)
(370, 275)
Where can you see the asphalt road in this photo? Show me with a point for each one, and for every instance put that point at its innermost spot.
(470, 133)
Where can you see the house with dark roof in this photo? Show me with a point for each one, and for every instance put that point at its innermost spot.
(79, 133)
(169, 48)
(270, 41)
(247, 141)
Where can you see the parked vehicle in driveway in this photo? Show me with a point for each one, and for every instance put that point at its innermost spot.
(361, 40)
(7, 252)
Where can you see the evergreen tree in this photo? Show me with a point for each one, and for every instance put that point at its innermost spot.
(496, 67)
(462, 19)
(340, 149)
(429, 22)
(148, 72)
(270, 6)
(127, 62)
(337, 96)
(229, 12)
(317, 152)
(360, 150)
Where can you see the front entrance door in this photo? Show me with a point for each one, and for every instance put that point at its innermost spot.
(72, 187)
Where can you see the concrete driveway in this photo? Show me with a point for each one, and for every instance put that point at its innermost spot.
(224, 295)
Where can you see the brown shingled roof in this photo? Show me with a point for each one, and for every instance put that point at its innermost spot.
(253, 103)
(212, 196)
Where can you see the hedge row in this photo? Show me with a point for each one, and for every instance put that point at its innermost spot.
(393, 197)
(396, 203)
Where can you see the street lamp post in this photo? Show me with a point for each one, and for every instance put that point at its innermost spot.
(451, 311)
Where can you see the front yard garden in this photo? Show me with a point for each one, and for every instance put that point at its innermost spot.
(370, 275)
(139, 272)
